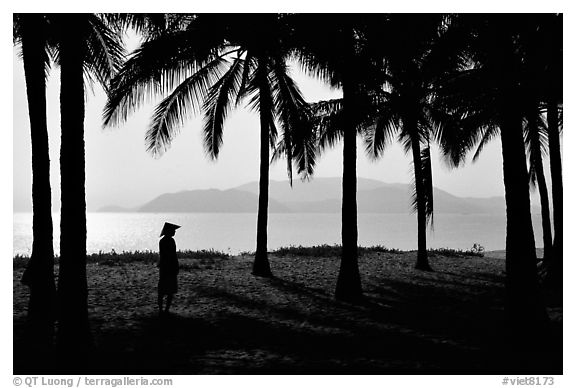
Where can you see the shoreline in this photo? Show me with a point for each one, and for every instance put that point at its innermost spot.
(236, 233)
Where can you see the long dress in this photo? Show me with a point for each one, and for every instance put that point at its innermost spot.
(168, 264)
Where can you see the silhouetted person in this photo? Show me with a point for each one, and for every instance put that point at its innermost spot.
(168, 265)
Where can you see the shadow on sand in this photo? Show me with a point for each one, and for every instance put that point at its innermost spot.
(402, 328)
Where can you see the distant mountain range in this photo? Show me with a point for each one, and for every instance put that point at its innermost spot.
(321, 195)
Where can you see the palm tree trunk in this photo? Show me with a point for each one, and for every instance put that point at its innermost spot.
(545, 210)
(73, 331)
(39, 274)
(422, 257)
(556, 266)
(348, 285)
(525, 309)
(261, 265)
(536, 160)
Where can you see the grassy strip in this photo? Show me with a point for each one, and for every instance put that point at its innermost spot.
(336, 250)
(211, 255)
(151, 257)
(328, 250)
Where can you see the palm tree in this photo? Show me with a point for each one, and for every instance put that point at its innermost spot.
(401, 101)
(556, 265)
(550, 50)
(536, 141)
(413, 128)
(543, 64)
(535, 138)
(535, 129)
(30, 31)
(413, 67)
(86, 47)
(491, 92)
(212, 64)
(340, 53)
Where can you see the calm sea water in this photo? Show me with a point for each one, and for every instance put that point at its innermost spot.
(235, 233)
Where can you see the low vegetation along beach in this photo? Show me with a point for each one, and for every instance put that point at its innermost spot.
(224, 320)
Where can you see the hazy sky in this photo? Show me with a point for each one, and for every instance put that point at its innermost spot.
(119, 171)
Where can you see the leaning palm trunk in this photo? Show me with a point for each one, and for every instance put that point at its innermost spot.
(536, 160)
(525, 308)
(348, 285)
(422, 257)
(73, 331)
(556, 266)
(545, 208)
(39, 274)
(261, 265)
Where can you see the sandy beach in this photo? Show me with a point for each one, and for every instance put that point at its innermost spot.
(226, 321)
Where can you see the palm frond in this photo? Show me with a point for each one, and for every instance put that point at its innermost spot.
(272, 129)
(149, 25)
(156, 68)
(218, 102)
(328, 122)
(485, 135)
(405, 141)
(292, 110)
(317, 67)
(262, 101)
(454, 139)
(249, 69)
(447, 51)
(379, 135)
(279, 150)
(428, 186)
(283, 108)
(105, 53)
(460, 132)
(172, 112)
(317, 50)
(536, 143)
(467, 91)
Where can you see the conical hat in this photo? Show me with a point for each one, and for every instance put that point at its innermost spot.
(168, 227)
